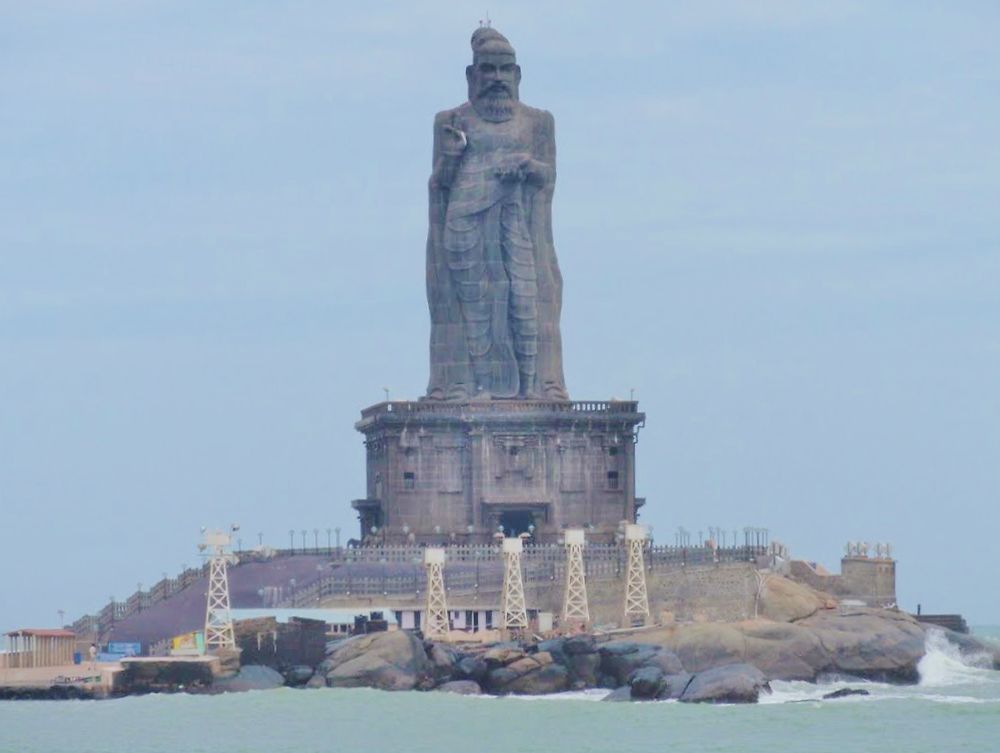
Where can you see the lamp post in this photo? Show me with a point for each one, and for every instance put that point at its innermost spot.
(304, 532)
(291, 539)
(328, 546)
(316, 538)
(260, 538)
(337, 531)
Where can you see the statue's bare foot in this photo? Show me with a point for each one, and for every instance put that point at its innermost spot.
(556, 392)
(457, 393)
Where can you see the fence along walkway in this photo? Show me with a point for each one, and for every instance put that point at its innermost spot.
(481, 571)
(475, 569)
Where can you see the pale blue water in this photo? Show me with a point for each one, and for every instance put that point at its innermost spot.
(956, 707)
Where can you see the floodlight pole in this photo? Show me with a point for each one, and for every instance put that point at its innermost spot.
(575, 607)
(218, 619)
(513, 613)
(636, 601)
(436, 616)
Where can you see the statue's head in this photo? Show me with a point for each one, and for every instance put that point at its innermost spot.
(494, 75)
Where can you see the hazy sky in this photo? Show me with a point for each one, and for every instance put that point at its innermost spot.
(777, 222)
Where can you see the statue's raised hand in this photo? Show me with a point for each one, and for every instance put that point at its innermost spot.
(453, 139)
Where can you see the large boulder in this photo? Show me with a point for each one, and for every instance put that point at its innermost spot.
(874, 644)
(580, 644)
(443, 661)
(532, 674)
(646, 682)
(471, 668)
(392, 660)
(297, 675)
(673, 686)
(501, 654)
(784, 651)
(556, 647)
(704, 645)
(734, 683)
(620, 658)
(318, 680)
(583, 669)
(579, 655)
(251, 677)
(784, 600)
(624, 693)
(868, 643)
(460, 687)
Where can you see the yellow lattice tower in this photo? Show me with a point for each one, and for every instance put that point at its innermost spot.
(636, 602)
(513, 613)
(436, 616)
(575, 608)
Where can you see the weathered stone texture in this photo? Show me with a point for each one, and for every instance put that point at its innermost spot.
(437, 470)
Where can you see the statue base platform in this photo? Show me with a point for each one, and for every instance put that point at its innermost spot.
(440, 472)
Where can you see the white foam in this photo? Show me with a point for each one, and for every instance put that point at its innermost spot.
(592, 694)
(943, 664)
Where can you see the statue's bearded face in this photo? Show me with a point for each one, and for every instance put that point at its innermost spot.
(493, 81)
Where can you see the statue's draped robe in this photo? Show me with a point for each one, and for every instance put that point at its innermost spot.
(493, 282)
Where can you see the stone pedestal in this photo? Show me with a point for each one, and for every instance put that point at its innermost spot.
(441, 472)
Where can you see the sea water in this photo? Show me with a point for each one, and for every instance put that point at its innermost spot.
(955, 707)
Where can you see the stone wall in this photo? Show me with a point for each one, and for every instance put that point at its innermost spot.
(869, 580)
(723, 592)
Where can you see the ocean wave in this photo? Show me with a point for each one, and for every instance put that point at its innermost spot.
(591, 694)
(944, 664)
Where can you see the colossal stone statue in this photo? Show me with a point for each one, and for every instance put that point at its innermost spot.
(493, 283)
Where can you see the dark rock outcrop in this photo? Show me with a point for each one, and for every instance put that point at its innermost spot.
(471, 668)
(674, 686)
(251, 677)
(532, 674)
(646, 682)
(734, 683)
(844, 693)
(298, 675)
(620, 658)
(618, 695)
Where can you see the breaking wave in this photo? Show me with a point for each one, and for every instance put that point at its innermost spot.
(944, 664)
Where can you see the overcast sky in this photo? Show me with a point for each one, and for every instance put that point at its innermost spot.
(776, 221)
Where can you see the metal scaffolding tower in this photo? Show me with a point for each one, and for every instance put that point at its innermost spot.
(218, 620)
(514, 614)
(436, 616)
(575, 608)
(636, 602)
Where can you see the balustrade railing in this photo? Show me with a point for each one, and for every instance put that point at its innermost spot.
(479, 569)
(405, 407)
